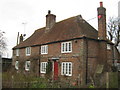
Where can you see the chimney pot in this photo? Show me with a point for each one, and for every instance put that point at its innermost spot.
(21, 38)
(49, 11)
(101, 4)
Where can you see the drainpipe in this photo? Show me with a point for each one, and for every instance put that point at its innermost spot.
(86, 59)
(113, 60)
(39, 59)
(86, 42)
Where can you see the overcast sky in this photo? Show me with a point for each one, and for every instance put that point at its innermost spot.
(32, 12)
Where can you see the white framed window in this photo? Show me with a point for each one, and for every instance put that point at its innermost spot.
(27, 65)
(44, 49)
(108, 46)
(28, 51)
(43, 67)
(66, 68)
(17, 52)
(16, 65)
(66, 47)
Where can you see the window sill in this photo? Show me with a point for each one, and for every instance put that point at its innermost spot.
(67, 75)
(43, 53)
(43, 72)
(27, 70)
(67, 52)
(27, 54)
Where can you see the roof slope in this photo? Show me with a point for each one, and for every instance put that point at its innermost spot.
(74, 27)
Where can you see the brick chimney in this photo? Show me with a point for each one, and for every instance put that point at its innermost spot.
(50, 20)
(102, 56)
(21, 38)
(101, 22)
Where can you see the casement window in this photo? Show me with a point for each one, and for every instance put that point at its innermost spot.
(66, 47)
(17, 52)
(66, 68)
(44, 49)
(16, 65)
(108, 46)
(43, 67)
(28, 51)
(27, 65)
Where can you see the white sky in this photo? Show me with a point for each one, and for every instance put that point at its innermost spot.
(15, 12)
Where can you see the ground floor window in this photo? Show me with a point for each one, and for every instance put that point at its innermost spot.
(66, 68)
(43, 67)
(27, 65)
(16, 65)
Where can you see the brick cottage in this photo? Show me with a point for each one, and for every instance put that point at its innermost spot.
(73, 48)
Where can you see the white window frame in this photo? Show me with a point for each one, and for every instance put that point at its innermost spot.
(66, 69)
(28, 51)
(26, 65)
(17, 65)
(44, 49)
(17, 52)
(66, 47)
(43, 66)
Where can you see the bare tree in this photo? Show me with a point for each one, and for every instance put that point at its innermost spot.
(2, 42)
(114, 30)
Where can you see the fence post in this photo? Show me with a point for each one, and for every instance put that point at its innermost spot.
(107, 80)
(12, 81)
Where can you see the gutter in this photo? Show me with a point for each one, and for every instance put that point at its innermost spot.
(61, 41)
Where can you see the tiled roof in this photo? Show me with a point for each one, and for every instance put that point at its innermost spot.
(74, 27)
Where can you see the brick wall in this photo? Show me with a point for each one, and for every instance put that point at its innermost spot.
(85, 56)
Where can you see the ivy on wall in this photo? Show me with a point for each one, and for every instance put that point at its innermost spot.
(49, 67)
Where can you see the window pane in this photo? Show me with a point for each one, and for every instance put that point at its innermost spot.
(69, 68)
(69, 46)
(66, 68)
(42, 49)
(28, 65)
(29, 50)
(43, 67)
(63, 69)
(63, 47)
(46, 49)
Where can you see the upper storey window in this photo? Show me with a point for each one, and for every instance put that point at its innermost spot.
(66, 47)
(44, 49)
(17, 52)
(28, 51)
(108, 46)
